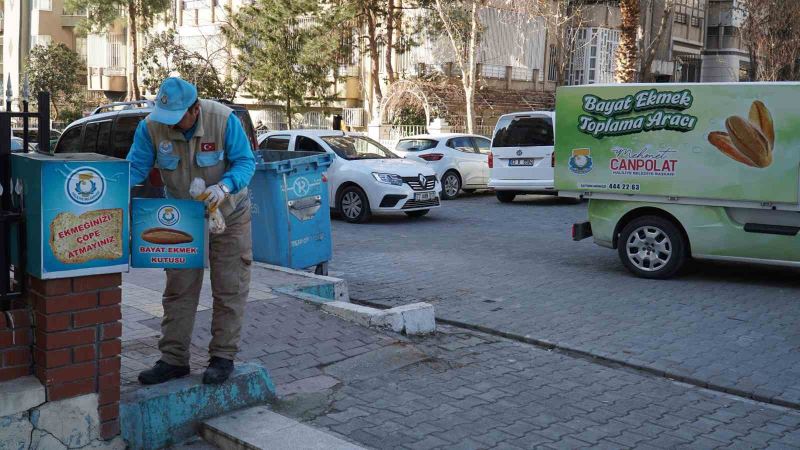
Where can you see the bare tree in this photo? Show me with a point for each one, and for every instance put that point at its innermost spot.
(648, 50)
(771, 33)
(391, 20)
(562, 19)
(460, 23)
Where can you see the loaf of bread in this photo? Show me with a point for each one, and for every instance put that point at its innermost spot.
(91, 236)
(166, 236)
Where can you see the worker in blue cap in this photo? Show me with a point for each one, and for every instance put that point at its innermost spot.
(185, 137)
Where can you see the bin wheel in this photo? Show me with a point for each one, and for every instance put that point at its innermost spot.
(321, 269)
(652, 247)
(354, 205)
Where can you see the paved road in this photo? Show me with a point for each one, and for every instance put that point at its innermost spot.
(458, 388)
(514, 269)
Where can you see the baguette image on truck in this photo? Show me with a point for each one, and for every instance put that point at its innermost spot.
(673, 171)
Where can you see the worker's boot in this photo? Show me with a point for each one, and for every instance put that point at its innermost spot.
(219, 369)
(162, 372)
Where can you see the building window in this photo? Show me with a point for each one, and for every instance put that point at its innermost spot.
(593, 60)
(688, 68)
(41, 39)
(198, 4)
(552, 70)
(696, 21)
(680, 18)
(80, 48)
(43, 5)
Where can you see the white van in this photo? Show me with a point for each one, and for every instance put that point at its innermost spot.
(520, 161)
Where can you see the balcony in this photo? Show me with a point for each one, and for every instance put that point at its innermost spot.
(71, 20)
(107, 79)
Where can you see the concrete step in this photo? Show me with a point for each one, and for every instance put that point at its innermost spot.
(259, 428)
(154, 417)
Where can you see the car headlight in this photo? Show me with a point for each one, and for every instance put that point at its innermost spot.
(388, 178)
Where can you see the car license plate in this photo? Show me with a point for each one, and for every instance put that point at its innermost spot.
(424, 196)
(521, 162)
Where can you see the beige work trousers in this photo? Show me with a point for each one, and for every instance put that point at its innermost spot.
(230, 257)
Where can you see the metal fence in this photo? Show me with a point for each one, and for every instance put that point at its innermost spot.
(12, 231)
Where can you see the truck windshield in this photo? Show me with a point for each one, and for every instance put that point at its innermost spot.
(523, 132)
(358, 147)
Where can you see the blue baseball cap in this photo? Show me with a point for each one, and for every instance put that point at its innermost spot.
(174, 98)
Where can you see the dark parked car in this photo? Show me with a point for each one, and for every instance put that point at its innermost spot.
(109, 131)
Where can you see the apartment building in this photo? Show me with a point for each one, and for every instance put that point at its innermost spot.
(516, 55)
(27, 23)
(725, 57)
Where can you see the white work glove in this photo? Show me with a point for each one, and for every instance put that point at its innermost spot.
(213, 196)
(216, 223)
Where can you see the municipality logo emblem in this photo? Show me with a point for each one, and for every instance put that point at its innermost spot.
(168, 215)
(165, 147)
(581, 161)
(85, 186)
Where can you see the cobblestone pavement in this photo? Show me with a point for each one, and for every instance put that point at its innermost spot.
(477, 391)
(290, 338)
(461, 389)
(513, 268)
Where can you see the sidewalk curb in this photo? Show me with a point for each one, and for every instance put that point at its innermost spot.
(413, 319)
(327, 289)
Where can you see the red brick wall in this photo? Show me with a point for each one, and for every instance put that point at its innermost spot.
(15, 341)
(77, 340)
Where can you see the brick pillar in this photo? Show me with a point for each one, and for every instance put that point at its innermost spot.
(77, 343)
(15, 341)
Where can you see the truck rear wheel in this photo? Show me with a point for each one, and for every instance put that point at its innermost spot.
(652, 247)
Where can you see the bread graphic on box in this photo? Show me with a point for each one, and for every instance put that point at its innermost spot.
(166, 236)
(90, 236)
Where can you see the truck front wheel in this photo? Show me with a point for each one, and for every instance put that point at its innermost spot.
(652, 247)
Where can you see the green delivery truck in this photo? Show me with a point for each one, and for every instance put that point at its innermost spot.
(672, 171)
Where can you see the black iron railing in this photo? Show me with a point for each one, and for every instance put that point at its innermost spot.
(12, 276)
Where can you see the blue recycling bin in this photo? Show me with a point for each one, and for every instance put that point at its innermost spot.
(291, 217)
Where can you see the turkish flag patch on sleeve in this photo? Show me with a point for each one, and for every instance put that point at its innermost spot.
(208, 147)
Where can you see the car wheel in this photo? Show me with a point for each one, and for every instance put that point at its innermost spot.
(505, 197)
(354, 205)
(418, 213)
(451, 185)
(652, 247)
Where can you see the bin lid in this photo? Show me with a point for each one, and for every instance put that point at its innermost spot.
(70, 157)
(286, 161)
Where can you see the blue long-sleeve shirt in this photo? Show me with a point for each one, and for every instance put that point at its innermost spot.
(237, 151)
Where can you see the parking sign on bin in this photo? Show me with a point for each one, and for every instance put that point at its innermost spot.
(168, 233)
(291, 213)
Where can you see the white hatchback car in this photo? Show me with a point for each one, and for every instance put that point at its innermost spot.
(461, 161)
(521, 158)
(365, 178)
